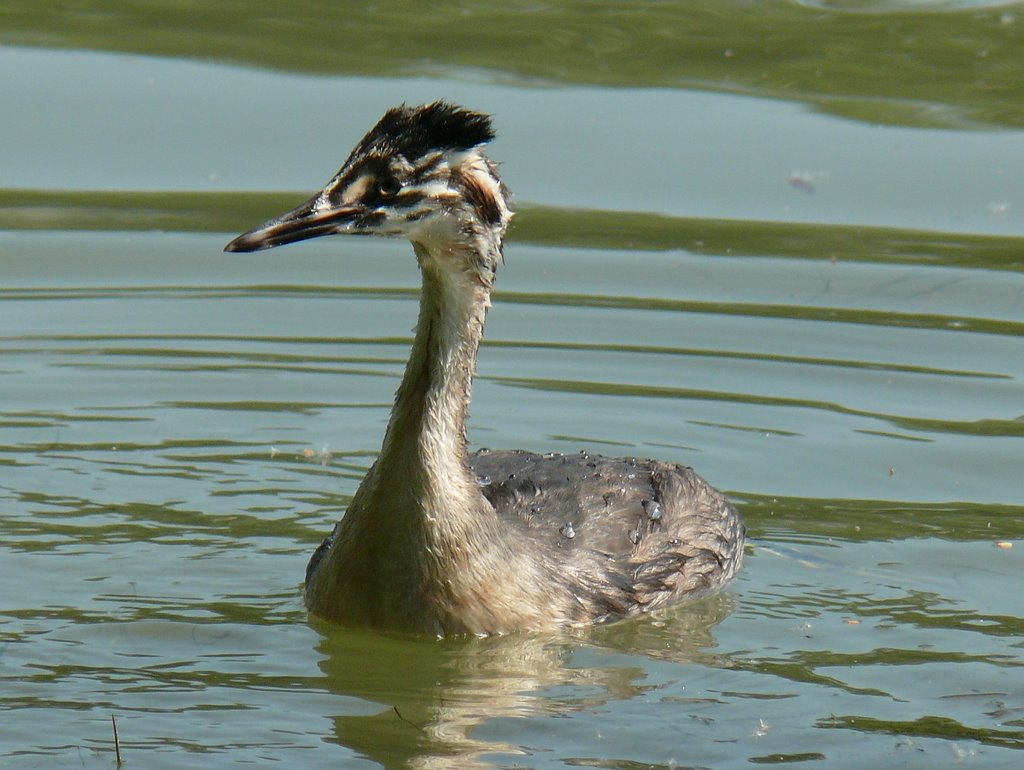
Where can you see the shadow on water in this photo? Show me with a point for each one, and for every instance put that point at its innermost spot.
(435, 694)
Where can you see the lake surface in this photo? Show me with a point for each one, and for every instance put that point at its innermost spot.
(780, 242)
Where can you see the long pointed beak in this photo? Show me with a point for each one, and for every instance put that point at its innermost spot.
(302, 222)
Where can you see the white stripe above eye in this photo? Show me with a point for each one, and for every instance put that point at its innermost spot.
(436, 189)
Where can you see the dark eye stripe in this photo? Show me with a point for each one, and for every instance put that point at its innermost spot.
(416, 216)
(370, 219)
(431, 164)
(430, 175)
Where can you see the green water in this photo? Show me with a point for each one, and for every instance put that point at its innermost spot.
(780, 242)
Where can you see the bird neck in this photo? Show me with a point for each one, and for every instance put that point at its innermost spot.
(418, 537)
(425, 443)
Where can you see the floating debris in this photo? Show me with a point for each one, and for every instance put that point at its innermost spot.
(117, 741)
(804, 180)
(322, 456)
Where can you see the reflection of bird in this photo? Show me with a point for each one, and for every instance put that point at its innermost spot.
(441, 541)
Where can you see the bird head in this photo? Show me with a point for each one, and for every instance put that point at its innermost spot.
(419, 174)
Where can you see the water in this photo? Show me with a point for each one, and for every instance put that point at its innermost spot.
(781, 244)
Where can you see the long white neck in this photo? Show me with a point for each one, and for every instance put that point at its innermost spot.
(426, 436)
(417, 542)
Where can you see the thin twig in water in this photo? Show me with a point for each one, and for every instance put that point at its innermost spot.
(406, 720)
(117, 742)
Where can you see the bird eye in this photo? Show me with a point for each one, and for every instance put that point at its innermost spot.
(388, 186)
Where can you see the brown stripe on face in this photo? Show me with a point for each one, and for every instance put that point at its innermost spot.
(427, 166)
(370, 219)
(416, 216)
(407, 198)
(487, 207)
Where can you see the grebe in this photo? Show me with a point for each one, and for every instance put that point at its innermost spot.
(442, 541)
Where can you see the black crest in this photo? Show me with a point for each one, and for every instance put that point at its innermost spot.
(415, 131)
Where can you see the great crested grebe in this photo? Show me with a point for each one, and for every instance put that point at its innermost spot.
(442, 541)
